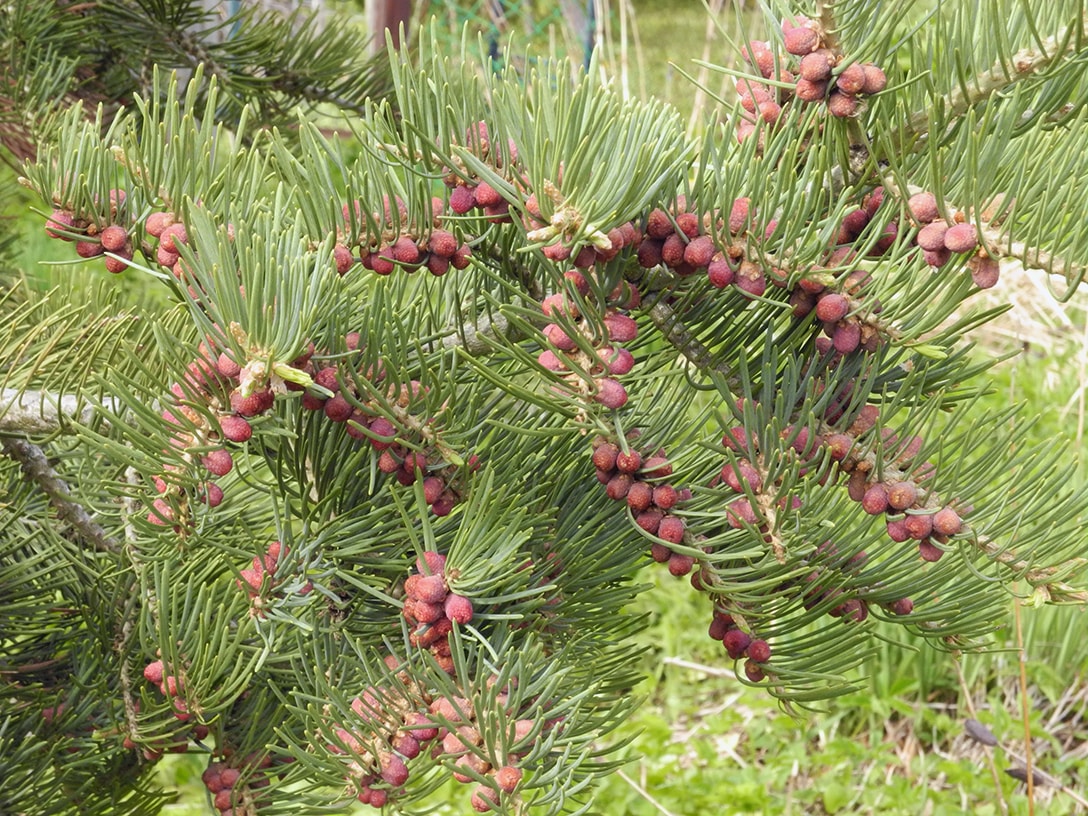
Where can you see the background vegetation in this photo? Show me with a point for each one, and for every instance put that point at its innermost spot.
(702, 742)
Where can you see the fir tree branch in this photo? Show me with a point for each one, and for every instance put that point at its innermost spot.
(997, 78)
(29, 412)
(479, 338)
(36, 466)
(127, 695)
(1033, 256)
(1042, 579)
(672, 329)
(829, 28)
(1000, 245)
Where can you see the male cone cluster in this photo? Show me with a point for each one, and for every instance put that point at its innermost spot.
(402, 244)
(642, 483)
(467, 191)
(92, 240)
(395, 723)
(237, 785)
(264, 573)
(431, 609)
(609, 359)
(812, 73)
(367, 419)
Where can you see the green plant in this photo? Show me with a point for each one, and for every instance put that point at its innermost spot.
(356, 502)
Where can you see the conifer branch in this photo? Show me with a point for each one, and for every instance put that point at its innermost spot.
(667, 321)
(1034, 256)
(1023, 65)
(479, 337)
(829, 28)
(999, 244)
(31, 412)
(36, 466)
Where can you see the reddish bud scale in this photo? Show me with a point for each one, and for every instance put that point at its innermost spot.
(902, 495)
(736, 642)
(842, 105)
(931, 236)
(680, 565)
(507, 778)
(618, 361)
(88, 249)
(856, 486)
(897, 530)
(657, 467)
(699, 251)
(342, 259)
(947, 522)
(650, 520)
(394, 770)
(621, 328)
(253, 405)
(60, 220)
(407, 745)
(235, 428)
(961, 238)
(671, 529)
(815, 67)
(458, 608)
(875, 79)
(660, 553)
(718, 627)
(928, 551)
(628, 461)
(759, 651)
(851, 79)
(739, 513)
(173, 235)
(639, 496)
(801, 41)
(923, 207)
(113, 238)
(153, 672)
(665, 497)
(985, 271)
(720, 273)
(604, 456)
(405, 251)
(742, 476)
(918, 526)
(649, 253)
(338, 409)
(431, 563)
(811, 90)
(875, 500)
(845, 336)
(218, 462)
(428, 588)
(611, 393)
(904, 606)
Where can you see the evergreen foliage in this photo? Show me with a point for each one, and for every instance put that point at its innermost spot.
(357, 497)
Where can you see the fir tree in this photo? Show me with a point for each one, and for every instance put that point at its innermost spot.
(345, 475)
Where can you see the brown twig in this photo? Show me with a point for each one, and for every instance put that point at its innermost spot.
(36, 466)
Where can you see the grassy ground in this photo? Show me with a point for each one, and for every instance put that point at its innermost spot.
(704, 743)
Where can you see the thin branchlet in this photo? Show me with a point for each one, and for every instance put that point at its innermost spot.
(36, 466)
(997, 79)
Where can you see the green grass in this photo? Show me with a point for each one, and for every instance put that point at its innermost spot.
(672, 35)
